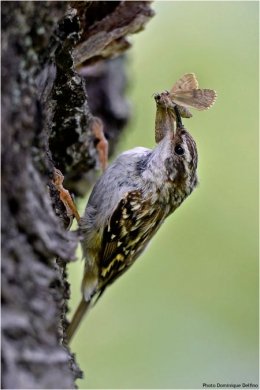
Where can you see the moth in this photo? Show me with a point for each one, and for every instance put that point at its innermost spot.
(185, 93)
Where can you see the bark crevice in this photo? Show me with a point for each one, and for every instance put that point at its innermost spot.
(48, 106)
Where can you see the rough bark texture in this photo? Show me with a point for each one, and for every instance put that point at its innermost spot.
(47, 119)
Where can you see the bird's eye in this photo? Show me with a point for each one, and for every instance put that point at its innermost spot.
(179, 150)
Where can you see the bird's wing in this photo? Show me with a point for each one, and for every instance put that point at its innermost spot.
(116, 238)
(126, 234)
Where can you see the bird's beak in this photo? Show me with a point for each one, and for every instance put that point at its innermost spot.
(178, 118)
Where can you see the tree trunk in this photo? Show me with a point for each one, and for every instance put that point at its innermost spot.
(52, 52)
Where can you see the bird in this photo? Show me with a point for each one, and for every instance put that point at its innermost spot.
(129, 203)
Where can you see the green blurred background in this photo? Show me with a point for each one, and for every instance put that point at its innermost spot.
(187, 312)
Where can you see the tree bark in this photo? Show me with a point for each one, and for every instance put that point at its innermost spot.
(52, 52)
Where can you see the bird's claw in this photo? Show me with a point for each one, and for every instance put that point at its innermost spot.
(65, 196)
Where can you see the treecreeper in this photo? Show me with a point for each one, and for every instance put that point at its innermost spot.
(137, 192)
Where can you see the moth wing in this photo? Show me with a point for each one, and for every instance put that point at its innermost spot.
(164, 123)
(184, 112)
(200, 99)
(165, 110)
(186, 83)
